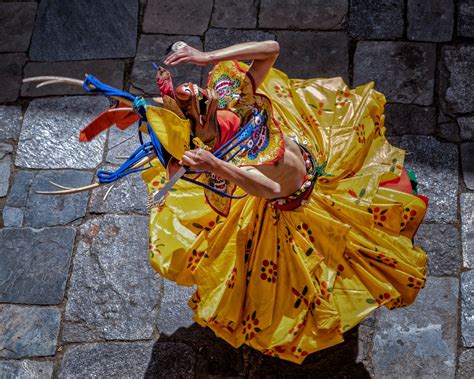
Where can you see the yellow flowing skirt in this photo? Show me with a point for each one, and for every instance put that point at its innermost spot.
(289, 283)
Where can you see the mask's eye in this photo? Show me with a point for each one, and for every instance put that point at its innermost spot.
(258, 120)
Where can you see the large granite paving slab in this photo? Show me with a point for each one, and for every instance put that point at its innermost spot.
(174, 311)
(177, 16)
(402, 119)
(28, 331)
(106, 360)
(466, 18)
(402, 71)
(442, 243)
(220, 38)
(436, 167)
(302, 14)
(235, 14)
(26, 369)
(69, 30)
(466, 127)
(11, 68)
(374, 19)
(456, 82)
(467, 228)
(113, 291)
(122, 143)
(300, 54)
(16, 25)
(48, 210)
(431, 21)
(467, 308)
(129, 194)
(5, 169)
(50, 134)
(10, 122)
(172, 360)
(421, 340)
(467, 160)
(109, 72)
(153, 49)
(35, 264)
(466, 365)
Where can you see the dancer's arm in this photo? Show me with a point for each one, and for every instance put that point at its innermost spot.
(263, 55)
(250, 180)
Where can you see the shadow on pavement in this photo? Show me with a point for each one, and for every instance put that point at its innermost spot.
(197, 352)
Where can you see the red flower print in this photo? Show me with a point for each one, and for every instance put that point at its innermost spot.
(250, 326)
(269, 271)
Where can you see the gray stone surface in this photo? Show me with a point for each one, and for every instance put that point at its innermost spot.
(235, 14)
(122, 143)
(466, 126)
(35, 264)
(50, 134)
(109, 72)
(106, 360)
(467, 308)
(177, 16)
(174, 311)
(467, 160)
(128, 195)
(431, 21)
(5, 169)
(172, 360)
(16, 25)
(299, 61)
(43, 210)
(301, 14)
(71, 31)
(152, 49)
(421, 340)
(10, 122)
(449, 131)
(466, 365)
(442, 243)
(26, 369)
(11, 67)
(113, 291)
(456, 83)
(12, 217)
(436, 168)
(467, 229)
(28, 331)
(401, 119)
(5, 149)
(374, 19)
(466, 18)
(402, 71)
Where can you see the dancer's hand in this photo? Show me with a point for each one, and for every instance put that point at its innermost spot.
(199, 160)
(188, 54)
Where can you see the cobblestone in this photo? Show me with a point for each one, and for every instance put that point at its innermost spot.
(436, 167)
(35, 264)
(10, 122)
(466, 18)
(466, 365)
(26, 369)
(110, 72)
(234, 14)
(171, 360)
(401, 119)
(5, 169)
(43, 210)
(402, 71)
(467, 308)
(424, 332)
(466, 125)
(298, 61)
(430, 21)
(28, 331)
(177, 17)
(467, 222)
(11, 67)
(301, 14)
(50, 133)
(100, 360)
(16, 26)
(442, 243)
(373, 19)
(467, 152)
(71, 31)
(113, 291)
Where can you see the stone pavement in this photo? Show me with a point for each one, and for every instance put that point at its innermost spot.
(77, 296)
